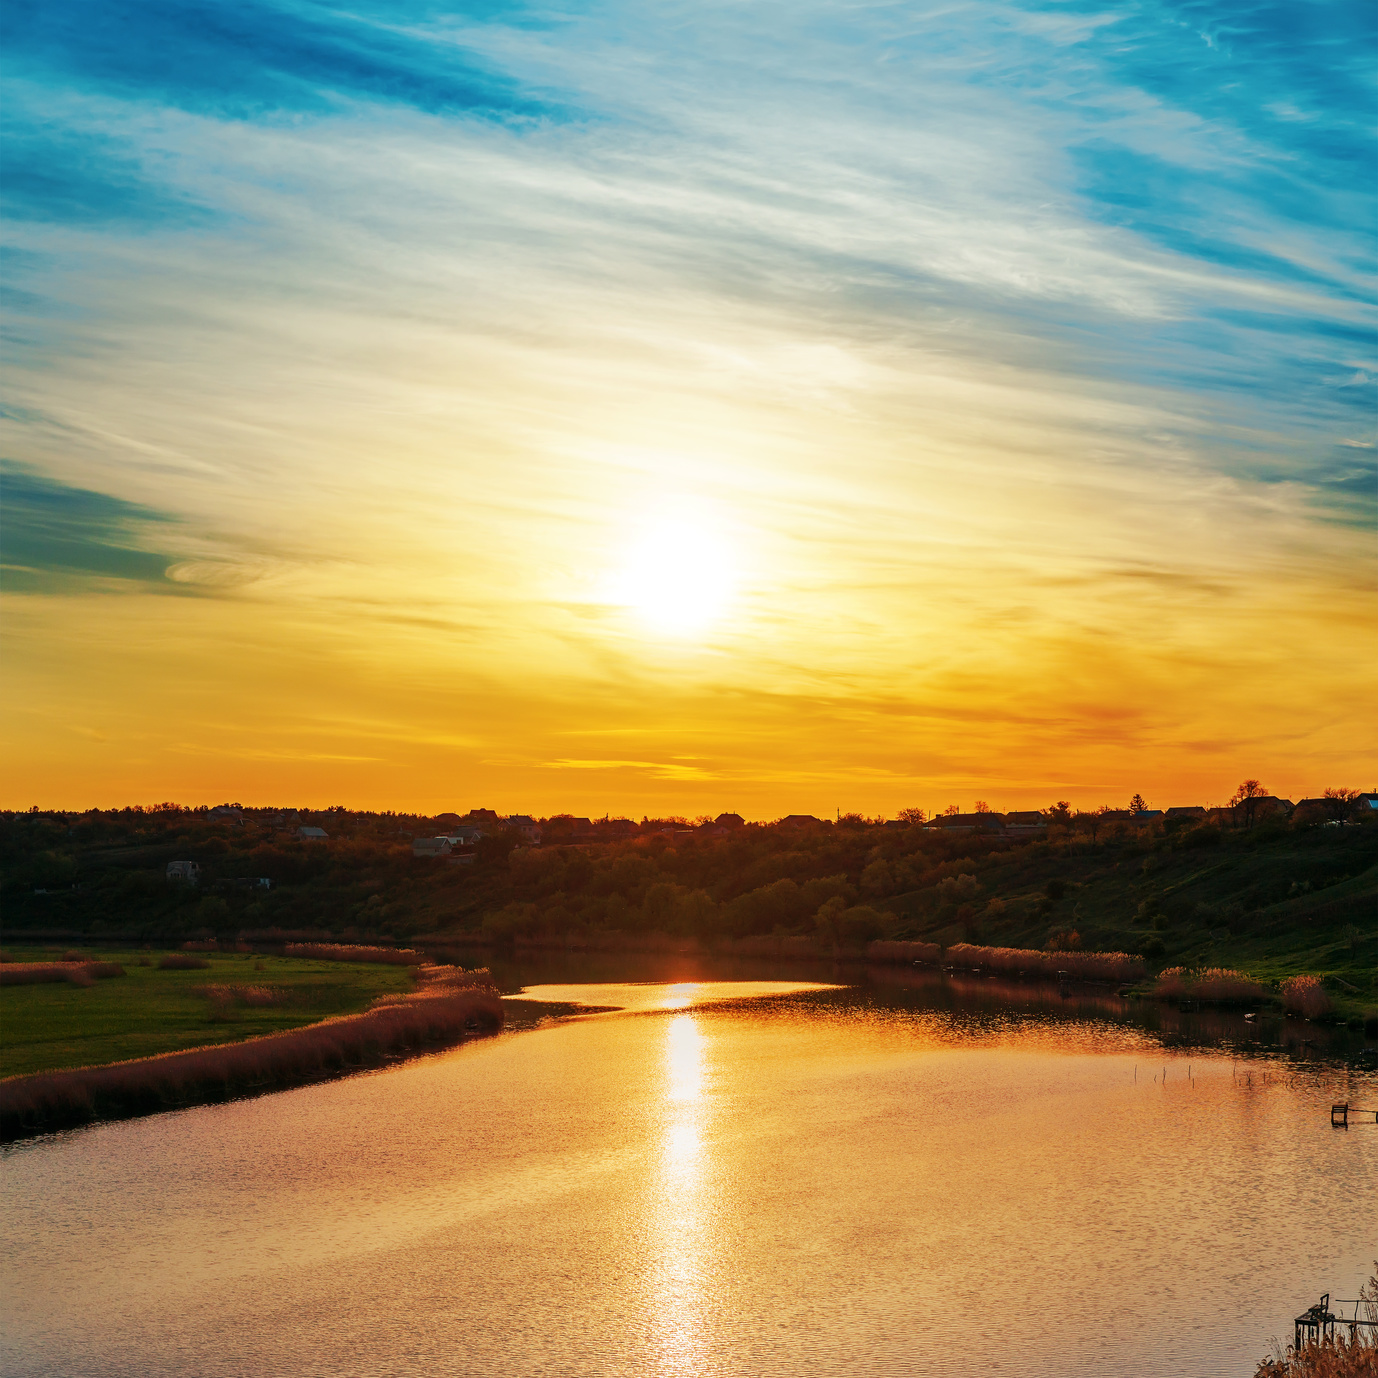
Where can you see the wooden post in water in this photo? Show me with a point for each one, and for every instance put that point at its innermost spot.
(1339, 1116)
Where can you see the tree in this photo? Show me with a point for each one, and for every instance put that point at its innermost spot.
(1061, 812)
(952, 811)
(1245, 801)
(982, 806)
(914, 816)
(1339, 803)
(1137, 804)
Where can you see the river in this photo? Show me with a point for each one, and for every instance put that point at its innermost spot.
(895, 1174)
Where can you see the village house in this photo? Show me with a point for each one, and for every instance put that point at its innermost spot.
(430, 846)
(527, 826)
(189, 871)
(312, 834)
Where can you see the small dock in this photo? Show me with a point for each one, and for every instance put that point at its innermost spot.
(1340, 1114)
(1317, 1323)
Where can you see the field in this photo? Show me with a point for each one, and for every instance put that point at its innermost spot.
(150, 1011)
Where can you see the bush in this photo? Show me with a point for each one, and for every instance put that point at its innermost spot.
(1216, 985)
(349, 952)
(1305, 996)
(74, 973)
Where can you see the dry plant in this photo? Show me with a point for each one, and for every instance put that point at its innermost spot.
(1353, 1353)
(47, 1100)
(1304, 995)
(74, 973)
(349, 952)
(1219, 985)
(1021, 961)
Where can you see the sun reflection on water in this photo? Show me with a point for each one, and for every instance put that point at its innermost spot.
(681, 1215)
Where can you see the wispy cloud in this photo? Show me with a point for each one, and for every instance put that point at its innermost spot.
(1013, 344)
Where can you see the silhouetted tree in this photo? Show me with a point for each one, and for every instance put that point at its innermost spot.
(1245, 801)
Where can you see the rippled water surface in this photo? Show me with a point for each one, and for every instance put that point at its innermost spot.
(724, 1179)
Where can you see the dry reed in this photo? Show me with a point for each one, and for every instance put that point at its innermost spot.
(1352, 1353)
(51, 1100)
(74, 973)
(1022, 961)
(1305, 996)
(1216, 985)
(349, 952)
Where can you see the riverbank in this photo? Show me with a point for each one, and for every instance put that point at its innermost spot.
(435, 1015)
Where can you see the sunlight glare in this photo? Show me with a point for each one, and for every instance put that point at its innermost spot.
(677, 575)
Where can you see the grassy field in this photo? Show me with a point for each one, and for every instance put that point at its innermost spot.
(148, 1011)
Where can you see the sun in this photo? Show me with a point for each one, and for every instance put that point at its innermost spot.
(678, 574)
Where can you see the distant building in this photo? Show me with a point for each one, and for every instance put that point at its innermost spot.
(527, 826)
(714, 829)
(312, 834)
(1185, 811)
(189, 871)
(969, 822)
(430, 846)
(798, 820)
(614, 828)
(229, 813)
(730, 820)
(463, 837)
(482, 816)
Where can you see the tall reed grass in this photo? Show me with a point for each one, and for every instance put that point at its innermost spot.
(52, 1100)
(74, 973)
(1353, 1353)
(1305, 996)
(1217, 985)
(1023, 961)
(350, 952)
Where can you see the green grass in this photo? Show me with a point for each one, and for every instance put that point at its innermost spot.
(147, 1011)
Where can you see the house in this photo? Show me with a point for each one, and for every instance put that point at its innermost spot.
(794, 821)
(228, 813)
(430, 846)
(714, 830)
(730, 820)
(1026, 818)
(527, 826)
(482, 816)
(969, 822)
(463, 837)
(612, 828)
(1185, 811)
(188, 871)
(312, 834)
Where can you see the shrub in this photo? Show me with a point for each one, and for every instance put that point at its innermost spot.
(1305, 996)
(75, 973)
(348, 952)
(176, 961)
(1092, 966)
(1219, 985)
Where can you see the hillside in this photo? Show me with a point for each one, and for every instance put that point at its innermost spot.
(1274, 899)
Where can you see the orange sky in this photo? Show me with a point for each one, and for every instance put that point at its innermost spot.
(689, 429)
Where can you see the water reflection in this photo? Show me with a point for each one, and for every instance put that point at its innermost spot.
(680, 1230)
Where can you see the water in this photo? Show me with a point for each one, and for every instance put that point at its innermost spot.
(729, 1179)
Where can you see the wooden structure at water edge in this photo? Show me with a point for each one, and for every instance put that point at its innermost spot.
(1340, 1113)
(1316, 1324)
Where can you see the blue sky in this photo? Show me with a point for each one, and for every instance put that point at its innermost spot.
(890, 288)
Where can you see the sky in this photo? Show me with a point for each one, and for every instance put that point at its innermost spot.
(654, 408)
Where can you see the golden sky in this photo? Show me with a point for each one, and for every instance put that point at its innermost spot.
(640, 437)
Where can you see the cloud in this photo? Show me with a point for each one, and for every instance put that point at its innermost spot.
(73, 176)
(59, 539)
(253, 58)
